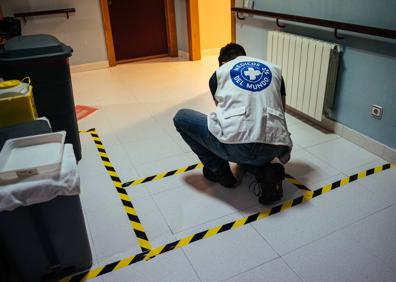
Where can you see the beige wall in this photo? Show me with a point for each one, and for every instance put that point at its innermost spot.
(214, 24)
(83, 31)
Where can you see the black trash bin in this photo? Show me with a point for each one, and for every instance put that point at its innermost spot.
(46, 61)
(44, 241)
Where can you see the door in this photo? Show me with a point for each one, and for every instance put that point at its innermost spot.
(138, 28)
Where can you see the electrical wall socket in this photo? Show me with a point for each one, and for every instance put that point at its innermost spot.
(376, 111)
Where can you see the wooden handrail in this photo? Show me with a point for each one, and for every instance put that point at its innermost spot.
(382, 32)
(24, 15)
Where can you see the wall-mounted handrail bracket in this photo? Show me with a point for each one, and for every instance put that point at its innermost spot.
(336, 34)
(278, 24)
(25, 15)
(239, 17)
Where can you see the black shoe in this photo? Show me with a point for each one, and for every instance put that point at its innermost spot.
(269, 183)
(209, 174)
(223, 176)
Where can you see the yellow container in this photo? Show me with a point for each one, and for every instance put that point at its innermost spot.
(16, 102)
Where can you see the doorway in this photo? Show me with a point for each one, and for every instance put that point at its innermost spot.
(138, 30)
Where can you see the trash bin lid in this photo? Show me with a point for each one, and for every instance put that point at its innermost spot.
(30, 47)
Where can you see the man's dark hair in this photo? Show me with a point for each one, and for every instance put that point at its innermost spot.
(230, 52)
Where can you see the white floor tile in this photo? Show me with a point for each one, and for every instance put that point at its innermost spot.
(155, 226)
(362, 141)
(164, 165)
(225, 255)
(305, 135)
(374, 234)
(192, 157)
(309, 169)
(337, 258)
(365, 167)
(319, 217)
(106, 135)
(175, 136)
(106, 87)
(291, 119)
(165, 184)
(97, 191)
(172, 267)
(132, 122)
(83, 97)
(185, 207)
(240, 198)
(342, 154)
(90, 239)
(382, 185)
(348, 204)
(323, 181)
(276, 270)
(146, 151)
(203, 103)
(107, 244)
(119, 159)
(90, 162)
(294, 228)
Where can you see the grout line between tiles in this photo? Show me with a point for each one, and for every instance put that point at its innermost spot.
(338, 229)
(292, 269)
(250, 269)
(162, 215)
(189, 261)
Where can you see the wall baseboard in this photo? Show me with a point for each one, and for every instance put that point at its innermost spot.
(183, 54)
(369, 144)
(210, 52)
(89, 66)
(373, 146)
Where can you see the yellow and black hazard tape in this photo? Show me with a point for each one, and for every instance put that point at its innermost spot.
(162, 175)
(349, 179)
(93, 273)
(122, 193)
(308, 195)
(189, 168)
(297, 183)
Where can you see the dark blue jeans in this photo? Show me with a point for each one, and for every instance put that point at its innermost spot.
(193, 128)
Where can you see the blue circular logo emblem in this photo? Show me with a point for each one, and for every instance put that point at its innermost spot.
(251, 76)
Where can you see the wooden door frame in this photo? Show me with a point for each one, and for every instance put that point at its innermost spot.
(194, 45)
(233, 23)
(170, 20)
(194, 40)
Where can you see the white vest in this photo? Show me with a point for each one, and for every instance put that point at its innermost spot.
(249, 108)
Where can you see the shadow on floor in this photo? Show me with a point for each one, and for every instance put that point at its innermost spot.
(242, 197)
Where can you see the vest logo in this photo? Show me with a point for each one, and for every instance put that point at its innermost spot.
(251, 76)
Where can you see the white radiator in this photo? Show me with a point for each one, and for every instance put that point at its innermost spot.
(309, 68)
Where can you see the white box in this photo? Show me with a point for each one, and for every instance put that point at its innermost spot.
(31, 155)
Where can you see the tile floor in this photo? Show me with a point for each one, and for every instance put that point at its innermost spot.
(345, 235)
